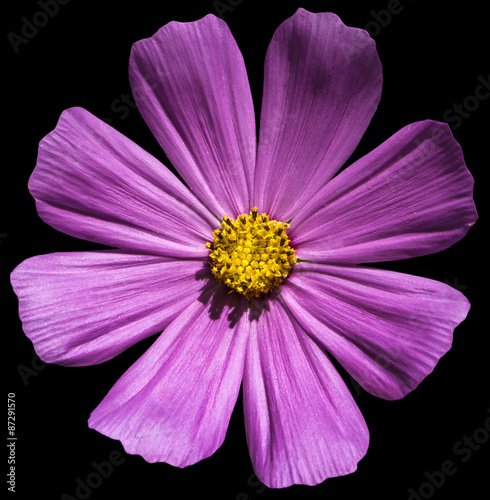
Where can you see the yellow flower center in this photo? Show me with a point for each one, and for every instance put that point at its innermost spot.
(251, 254)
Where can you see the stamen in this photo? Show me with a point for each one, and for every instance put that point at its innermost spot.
(252, 254)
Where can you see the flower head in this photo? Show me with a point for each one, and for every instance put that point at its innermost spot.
(252, 254)
(269, 224)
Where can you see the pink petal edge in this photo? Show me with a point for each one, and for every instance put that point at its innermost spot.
(83, 308)
(93, 183)
(301, 422)
(322, 86)
(387, 329)
(411, 196)
(174, 404)
(191, 87)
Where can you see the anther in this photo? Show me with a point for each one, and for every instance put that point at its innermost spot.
(252, 255)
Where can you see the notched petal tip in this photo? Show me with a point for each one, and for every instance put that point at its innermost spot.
(190, 84)
(93, 183)
(442, 136)
(208, 18)
(411, 196)
(302, 424)
(317, 71)
(174, 404)
(388, 330)
(63, 300)
(333, 18)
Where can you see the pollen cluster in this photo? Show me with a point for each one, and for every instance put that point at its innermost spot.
(251, 254)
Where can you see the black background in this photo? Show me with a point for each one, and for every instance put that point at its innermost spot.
(432, 54)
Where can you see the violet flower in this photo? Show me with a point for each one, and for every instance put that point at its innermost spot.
(257, 298)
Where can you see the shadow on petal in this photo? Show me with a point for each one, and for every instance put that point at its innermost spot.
(220, 298)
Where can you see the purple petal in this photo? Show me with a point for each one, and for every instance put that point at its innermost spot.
(191, 86)
(301, 422)
(93, 183)
(84, 308)
(411, 196)
(174, 404)
(387, 329)
(322, 86)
